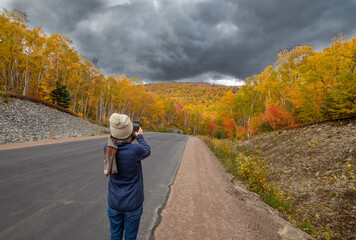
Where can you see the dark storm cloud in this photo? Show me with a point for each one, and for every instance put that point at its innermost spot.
(190, 39)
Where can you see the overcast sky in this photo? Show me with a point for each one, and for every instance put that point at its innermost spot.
(220, 41)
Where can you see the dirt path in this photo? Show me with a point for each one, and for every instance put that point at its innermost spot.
(205, 204)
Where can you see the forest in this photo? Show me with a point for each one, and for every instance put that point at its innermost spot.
(302, 86)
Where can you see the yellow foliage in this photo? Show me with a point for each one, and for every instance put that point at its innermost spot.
(311, 85)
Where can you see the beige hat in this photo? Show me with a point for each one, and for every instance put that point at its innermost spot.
(120, 126)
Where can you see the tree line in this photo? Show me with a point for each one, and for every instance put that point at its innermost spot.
(41, 66)
(302, 86)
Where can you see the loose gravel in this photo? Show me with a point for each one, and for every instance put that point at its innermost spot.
(25, 121)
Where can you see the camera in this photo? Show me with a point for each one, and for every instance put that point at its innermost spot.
(136, 126)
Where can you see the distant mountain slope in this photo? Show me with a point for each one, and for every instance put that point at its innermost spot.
(199, 93)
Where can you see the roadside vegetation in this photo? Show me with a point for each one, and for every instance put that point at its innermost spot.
(248, 169)
(307, 173)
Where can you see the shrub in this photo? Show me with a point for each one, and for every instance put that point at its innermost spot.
(265, 127)
(229, 127)
(255, 124)
(6, 99)
(274, 118)
(307, 227)
(162, 129)
(279, 118)
(241, 133)
(219, 133)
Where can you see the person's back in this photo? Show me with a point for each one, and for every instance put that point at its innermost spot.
(125, 189)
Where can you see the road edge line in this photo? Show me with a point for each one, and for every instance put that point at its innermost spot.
(158, 220)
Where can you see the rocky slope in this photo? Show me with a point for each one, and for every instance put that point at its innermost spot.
(24, 121)
(315, 166)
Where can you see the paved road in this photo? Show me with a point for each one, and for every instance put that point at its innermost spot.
(59, 191)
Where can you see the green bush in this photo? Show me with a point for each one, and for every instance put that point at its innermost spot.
(265, 127)
(162, 129)
(6, 98)
(220, 134)
(307, 227)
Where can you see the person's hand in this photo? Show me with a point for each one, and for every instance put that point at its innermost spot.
(139, 132)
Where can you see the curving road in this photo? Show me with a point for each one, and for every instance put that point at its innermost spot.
(58, 191)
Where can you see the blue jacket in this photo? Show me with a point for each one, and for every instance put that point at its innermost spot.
(126, 186)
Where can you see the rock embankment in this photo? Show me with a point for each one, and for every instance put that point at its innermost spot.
(25, 121)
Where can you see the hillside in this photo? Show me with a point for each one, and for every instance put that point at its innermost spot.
(25, 121)
(200, 93)
(315, 166)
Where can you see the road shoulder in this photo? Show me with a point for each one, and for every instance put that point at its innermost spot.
(205, 203)
(46, 142)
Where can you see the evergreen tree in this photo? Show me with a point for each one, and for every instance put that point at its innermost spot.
(60, 95)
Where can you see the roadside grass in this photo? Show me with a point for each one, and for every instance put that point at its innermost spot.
(246, 164)
(250, 170)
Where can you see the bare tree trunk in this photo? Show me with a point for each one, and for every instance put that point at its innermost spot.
(81, 106)
(12, 79)
(97, 112)
(27, 79)
(233, 120)
(101, 107)
(5, 80)
(17, 77)
(86, 105)
(75, 97)
(111, 109)
(85, 115)
(104, 109)
(39, 80)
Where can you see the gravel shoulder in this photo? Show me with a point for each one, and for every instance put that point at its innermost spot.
(205, 203)
(46, 142)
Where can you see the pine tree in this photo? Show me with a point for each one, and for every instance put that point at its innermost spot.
(60, 95)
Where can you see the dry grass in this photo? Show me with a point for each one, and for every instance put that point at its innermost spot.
(315, 167)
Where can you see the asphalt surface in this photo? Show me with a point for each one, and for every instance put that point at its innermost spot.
(59, 191)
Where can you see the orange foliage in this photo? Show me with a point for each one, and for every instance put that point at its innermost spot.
(279, 118)
(229, 127)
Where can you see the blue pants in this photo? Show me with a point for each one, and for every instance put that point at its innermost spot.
(121, 222)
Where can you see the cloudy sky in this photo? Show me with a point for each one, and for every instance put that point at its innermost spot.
(221, 41)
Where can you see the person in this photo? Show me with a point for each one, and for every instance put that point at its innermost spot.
(125, 187)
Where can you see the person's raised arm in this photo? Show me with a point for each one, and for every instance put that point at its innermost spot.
(144, 149)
